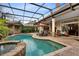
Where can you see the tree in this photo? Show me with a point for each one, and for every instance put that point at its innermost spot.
(2, 21)
(4, 30)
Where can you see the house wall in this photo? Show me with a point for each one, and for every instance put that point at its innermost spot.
(14, 30)
(58, 25)
(66, 16)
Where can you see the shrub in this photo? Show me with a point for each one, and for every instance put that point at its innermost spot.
(28, 29)
(2, 21)
(4, 30)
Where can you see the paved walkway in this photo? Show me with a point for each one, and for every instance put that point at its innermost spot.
(72, 51)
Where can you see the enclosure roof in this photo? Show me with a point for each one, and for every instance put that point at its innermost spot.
(28, 11)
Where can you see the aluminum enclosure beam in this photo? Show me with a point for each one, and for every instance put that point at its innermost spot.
(20, 9)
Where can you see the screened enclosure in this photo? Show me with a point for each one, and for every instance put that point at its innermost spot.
(27, 12)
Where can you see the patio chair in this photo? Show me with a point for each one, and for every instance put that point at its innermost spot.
(45, 33)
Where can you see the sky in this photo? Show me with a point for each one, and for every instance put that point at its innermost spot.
(29, 7)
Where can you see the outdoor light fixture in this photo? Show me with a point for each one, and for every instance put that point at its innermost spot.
(71, 7)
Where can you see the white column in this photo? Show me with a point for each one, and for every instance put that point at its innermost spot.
(53, 26)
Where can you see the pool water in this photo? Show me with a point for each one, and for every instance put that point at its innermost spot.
(4, 48)
(36, 47)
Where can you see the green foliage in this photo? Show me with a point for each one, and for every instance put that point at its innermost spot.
(4, 30)
(2, 21)
(28, 29)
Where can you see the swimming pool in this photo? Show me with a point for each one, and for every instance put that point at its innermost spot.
(6, 47)
(36, 47)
